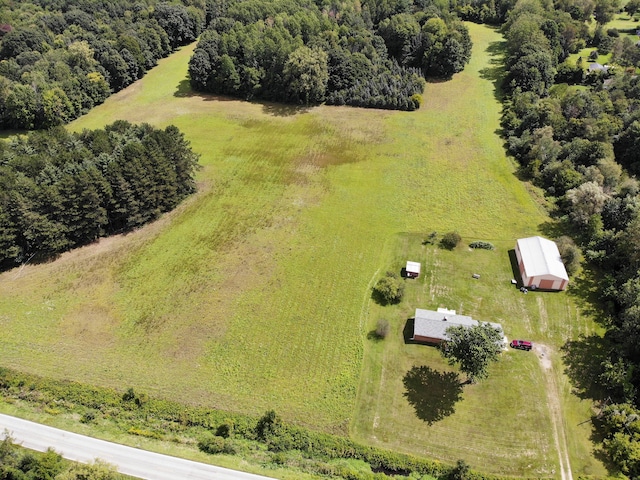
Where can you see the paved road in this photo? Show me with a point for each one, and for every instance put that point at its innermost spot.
(128, 460)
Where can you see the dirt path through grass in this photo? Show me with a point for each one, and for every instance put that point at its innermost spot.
(543, 353)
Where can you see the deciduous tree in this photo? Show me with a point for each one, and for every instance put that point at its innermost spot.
(472, 348)
(306, 74)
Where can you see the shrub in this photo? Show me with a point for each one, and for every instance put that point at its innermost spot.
(382, 329)
(460, 472)
(416, 99)
(450, 240)
(145, 433)
(212, 444)
(279, 458)
(225, 429)
(129, 395)
(569, 253)
(268, 426)
(483, 245)
(431, 239)
(389, 289)
(88, 417)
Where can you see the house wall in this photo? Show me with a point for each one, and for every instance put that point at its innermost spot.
(431, 340)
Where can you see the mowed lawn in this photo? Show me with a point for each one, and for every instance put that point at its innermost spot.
(255, 293)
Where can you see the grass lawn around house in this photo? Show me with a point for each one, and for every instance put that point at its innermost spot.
(500, 425)
(626, 27)
(255, 293)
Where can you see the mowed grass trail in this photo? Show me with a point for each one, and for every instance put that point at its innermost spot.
(255, 293)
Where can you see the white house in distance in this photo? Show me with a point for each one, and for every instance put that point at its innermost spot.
(412, 269)
(431, 327)
(540, 264)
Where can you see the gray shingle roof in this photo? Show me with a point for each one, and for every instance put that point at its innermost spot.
(434, 324)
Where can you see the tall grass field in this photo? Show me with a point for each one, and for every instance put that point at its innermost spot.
(255, 293)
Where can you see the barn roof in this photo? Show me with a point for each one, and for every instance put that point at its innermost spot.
(434, 324)
(541, 257)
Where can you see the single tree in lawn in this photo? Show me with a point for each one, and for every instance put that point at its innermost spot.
(473, 348)
(389, 289)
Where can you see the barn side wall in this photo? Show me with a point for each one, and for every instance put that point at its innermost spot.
(546, 282)
(525, 279)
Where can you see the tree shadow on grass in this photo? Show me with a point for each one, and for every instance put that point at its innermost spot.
(433, 394)
(283, 109)
(184, 89)
(554, 229)
(585, 292)
(583, 365)
(495, 73)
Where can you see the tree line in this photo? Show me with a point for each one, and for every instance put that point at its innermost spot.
(577, 136)
(59, 190)
(60, 58)
(303, 52)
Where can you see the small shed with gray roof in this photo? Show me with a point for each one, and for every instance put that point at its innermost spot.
(431, 327)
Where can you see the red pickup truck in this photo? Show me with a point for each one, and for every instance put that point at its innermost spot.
(521, 344)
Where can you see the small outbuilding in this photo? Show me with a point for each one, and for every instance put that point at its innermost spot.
(431, 327)
(540, 264)
(412, 269)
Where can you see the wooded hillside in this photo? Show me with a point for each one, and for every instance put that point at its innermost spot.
(305, 52)
(60, 58)
(60, 190)
(576, 134)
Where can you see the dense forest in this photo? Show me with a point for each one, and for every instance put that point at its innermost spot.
(59, 190)
(60, 58)
(305, 52)
(576, 134)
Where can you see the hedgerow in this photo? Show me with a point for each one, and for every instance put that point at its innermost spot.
(481, 244)
(139, 414)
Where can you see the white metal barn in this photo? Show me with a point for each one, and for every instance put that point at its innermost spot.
(540, 264)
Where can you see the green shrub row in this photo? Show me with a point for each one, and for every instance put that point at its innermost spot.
(481, 244)
(156, 418)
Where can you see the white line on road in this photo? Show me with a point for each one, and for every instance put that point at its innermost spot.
(128, 460)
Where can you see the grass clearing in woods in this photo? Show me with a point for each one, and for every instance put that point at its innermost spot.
(255, 293)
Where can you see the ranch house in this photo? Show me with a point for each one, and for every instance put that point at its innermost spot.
(540, 264)
(431, 327)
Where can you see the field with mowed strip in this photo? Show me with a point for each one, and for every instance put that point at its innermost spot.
(255, 293)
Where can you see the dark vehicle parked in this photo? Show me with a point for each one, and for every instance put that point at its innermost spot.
(521, 344)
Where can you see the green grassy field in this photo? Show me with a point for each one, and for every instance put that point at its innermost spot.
(255, 293)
